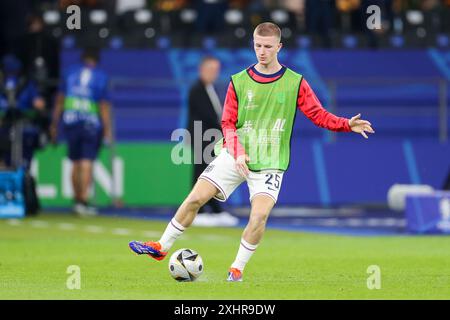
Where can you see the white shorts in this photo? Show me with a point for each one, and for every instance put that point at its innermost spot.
(222, 173)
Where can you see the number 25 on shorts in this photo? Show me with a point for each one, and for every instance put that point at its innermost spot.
(273, 181)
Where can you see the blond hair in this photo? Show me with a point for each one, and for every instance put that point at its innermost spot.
(268, 29)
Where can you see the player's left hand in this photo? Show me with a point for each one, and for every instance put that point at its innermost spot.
(107, 138)
(360, 126)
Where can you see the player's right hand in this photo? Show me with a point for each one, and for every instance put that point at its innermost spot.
(241, 165)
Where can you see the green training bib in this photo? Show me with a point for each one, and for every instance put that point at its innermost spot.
(266, 113)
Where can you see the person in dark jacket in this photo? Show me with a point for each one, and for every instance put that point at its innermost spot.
(205, 111)
(446, 185)
(19, 99)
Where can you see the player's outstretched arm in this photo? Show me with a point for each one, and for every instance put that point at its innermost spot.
(360, 126)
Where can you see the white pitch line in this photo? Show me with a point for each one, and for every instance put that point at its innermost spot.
(66, 226)
(94, 229)
(14, 222)
(121, 231)
(151, 234)
(39, 224)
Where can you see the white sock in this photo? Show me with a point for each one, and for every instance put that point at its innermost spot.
(244, 254)
(173, 231)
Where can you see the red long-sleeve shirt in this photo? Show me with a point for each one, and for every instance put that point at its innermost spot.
(307, 102)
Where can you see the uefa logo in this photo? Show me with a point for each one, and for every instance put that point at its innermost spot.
(250, 96)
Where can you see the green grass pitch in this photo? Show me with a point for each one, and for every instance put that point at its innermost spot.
(36, 252)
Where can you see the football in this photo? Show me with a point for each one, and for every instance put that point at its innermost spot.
(185, 265)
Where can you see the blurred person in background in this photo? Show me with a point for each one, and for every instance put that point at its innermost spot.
(205, 109)
(168, 5)
(319, 19)
(42, 58)
(210, 18)
(19, 100)
(82, 103)
(297, 7)
(13, 25)
(446, 185)
(349, 13)
(122, 6)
